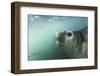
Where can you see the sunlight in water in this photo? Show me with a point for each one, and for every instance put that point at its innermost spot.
(42, 39)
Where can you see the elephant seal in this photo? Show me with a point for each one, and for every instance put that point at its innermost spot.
(73, 42)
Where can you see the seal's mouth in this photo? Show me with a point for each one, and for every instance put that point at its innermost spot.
(60, 38)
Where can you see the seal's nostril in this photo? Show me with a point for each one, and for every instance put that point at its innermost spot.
(69, 34)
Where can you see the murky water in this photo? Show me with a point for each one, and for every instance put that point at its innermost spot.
(42, 39)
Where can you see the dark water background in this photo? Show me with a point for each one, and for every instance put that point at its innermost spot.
(42, 35)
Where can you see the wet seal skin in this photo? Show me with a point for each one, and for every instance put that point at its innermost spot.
(74, 42)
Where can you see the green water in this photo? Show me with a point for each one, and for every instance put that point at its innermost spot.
(42, 39)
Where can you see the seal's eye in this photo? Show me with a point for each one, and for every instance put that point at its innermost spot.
(69, 34)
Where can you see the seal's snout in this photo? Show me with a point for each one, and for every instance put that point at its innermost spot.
(60, 38)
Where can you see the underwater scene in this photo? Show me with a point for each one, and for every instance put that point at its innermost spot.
(57, 37)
